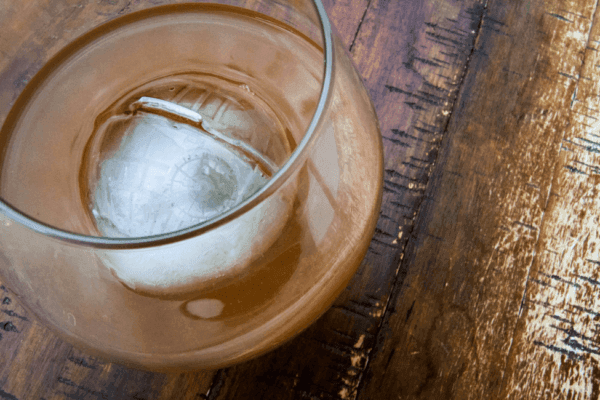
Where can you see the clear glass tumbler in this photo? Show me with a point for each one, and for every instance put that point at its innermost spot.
(183, 184)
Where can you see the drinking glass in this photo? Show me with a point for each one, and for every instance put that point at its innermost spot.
(183, 184)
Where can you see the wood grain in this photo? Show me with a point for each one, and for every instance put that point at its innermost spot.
(557, 332)
(487, 309)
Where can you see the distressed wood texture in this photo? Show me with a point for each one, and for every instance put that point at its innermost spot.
(500, 295)
(481, 281)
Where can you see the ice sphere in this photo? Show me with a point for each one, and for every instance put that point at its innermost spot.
(166, 176)
(162, 175)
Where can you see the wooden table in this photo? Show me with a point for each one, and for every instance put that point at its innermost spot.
(483, 278)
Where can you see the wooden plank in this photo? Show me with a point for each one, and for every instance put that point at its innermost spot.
(412, 56)
(487, 247)
(557, 333)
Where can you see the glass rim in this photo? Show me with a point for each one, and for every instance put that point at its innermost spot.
(278, 179)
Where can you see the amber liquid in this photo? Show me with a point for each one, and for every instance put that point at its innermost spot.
(115, 169)
(252, 79)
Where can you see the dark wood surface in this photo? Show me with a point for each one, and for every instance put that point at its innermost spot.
(482, 280)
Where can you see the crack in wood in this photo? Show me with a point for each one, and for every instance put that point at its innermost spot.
(571, 332)
(397, 142)
(9, 327)
(81, 362)
(566, 321)
(560, 17)
(11, 313)
(571, 354)
(7, 396)
(217, 383)
(362, 19)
